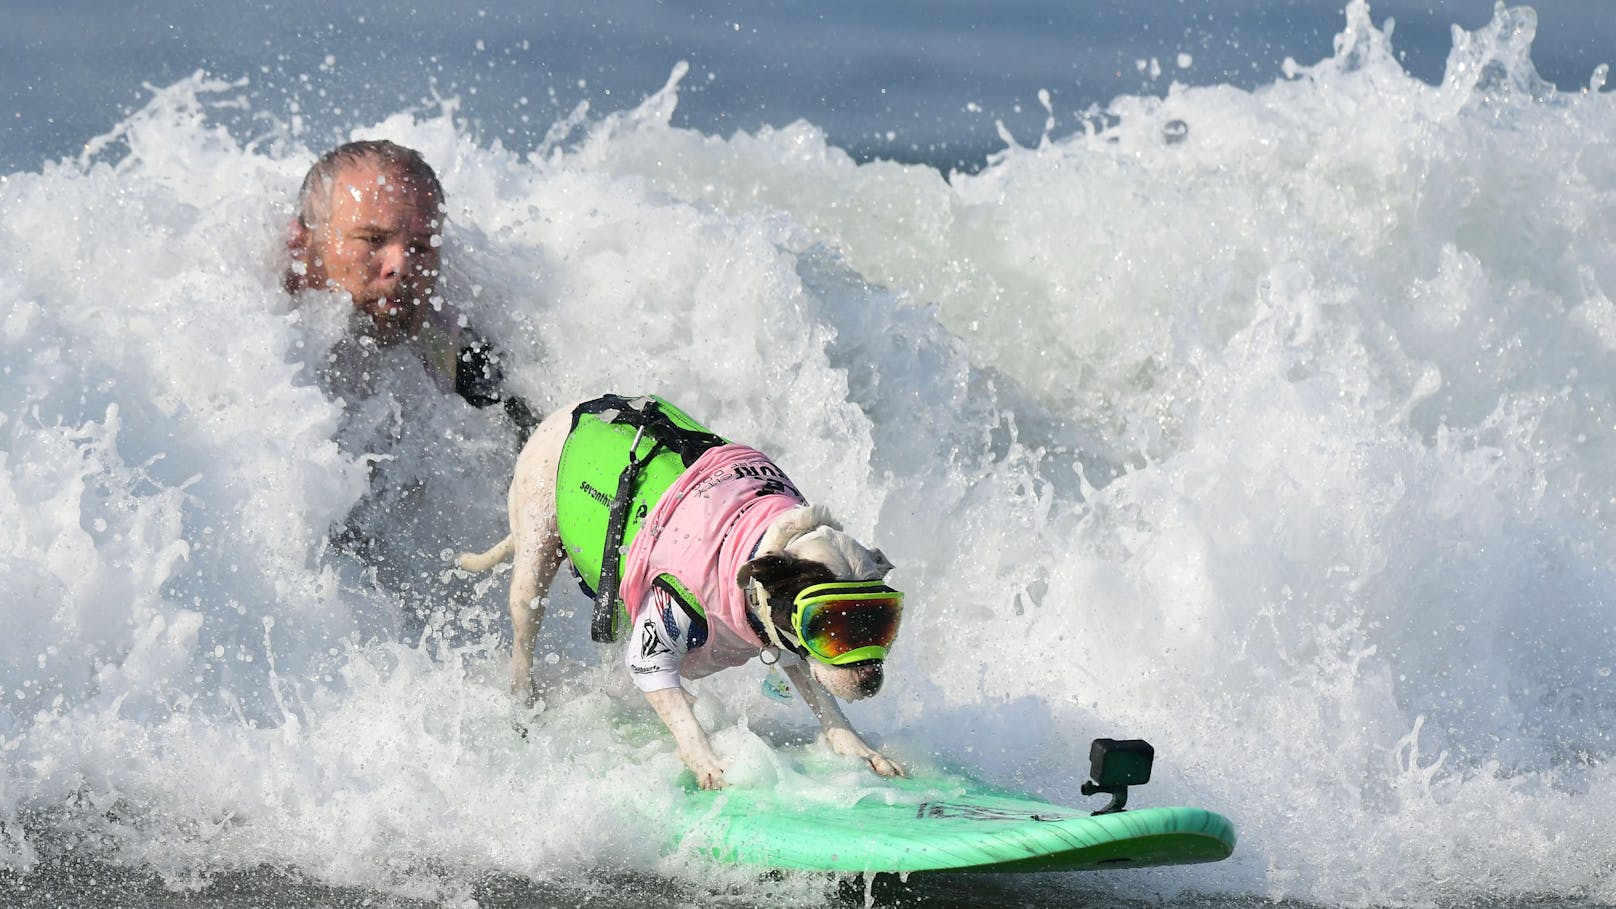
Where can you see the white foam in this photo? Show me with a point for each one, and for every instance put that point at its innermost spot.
(1287, 444)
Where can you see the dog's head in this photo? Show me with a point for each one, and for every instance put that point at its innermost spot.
(802, 548)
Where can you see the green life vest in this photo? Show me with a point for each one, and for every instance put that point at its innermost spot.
(593, 461)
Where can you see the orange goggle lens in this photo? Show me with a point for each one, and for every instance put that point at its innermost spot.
(848, 621)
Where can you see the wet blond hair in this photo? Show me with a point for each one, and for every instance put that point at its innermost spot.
(402, 164)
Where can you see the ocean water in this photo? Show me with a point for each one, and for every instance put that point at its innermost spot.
(908, 80)
(1251, 390)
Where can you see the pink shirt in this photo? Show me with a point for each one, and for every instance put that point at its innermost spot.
(703, 530)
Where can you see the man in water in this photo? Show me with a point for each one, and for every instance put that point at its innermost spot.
(370, 225)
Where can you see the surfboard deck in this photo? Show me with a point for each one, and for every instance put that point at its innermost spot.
(934, 823)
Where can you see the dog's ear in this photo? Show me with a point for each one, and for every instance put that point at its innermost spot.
(783, 575)
(765, 569)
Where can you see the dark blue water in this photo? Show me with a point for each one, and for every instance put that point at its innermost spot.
(913, 80)
(1368, 406)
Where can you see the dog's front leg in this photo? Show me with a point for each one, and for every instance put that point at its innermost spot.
(673, 706)
(833, 723)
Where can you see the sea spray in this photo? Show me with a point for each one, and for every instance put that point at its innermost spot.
(1284, 442)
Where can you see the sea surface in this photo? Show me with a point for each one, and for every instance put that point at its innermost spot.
(1238, 376)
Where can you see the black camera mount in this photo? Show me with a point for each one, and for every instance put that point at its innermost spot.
(1114, 765)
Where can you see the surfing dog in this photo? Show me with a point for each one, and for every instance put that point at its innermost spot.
(715, 558)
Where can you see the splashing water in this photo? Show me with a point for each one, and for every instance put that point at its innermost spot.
(1275, 427)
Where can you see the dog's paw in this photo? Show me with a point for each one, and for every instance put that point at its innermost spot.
(704, 763)
(710, 777)
(523, 686)
(881, 765)
(846, 741)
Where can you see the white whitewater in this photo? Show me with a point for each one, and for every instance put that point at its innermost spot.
(1275, 427)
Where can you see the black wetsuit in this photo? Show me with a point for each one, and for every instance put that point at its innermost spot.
(478, 379)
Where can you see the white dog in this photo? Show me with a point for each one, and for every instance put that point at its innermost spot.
(720, 561)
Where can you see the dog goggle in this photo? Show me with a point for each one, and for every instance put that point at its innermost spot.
(847, 621)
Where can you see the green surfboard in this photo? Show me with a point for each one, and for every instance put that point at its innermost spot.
(934, 823)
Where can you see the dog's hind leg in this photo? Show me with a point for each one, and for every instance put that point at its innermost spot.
(538, 554)
(535, 543)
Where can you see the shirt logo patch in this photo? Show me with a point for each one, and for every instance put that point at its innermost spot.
(651, 643)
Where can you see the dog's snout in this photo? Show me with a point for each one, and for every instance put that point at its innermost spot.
(870, 677)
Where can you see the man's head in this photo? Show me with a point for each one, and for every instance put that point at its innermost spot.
(370, 221)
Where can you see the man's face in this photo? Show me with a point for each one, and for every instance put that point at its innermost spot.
(380, 245)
